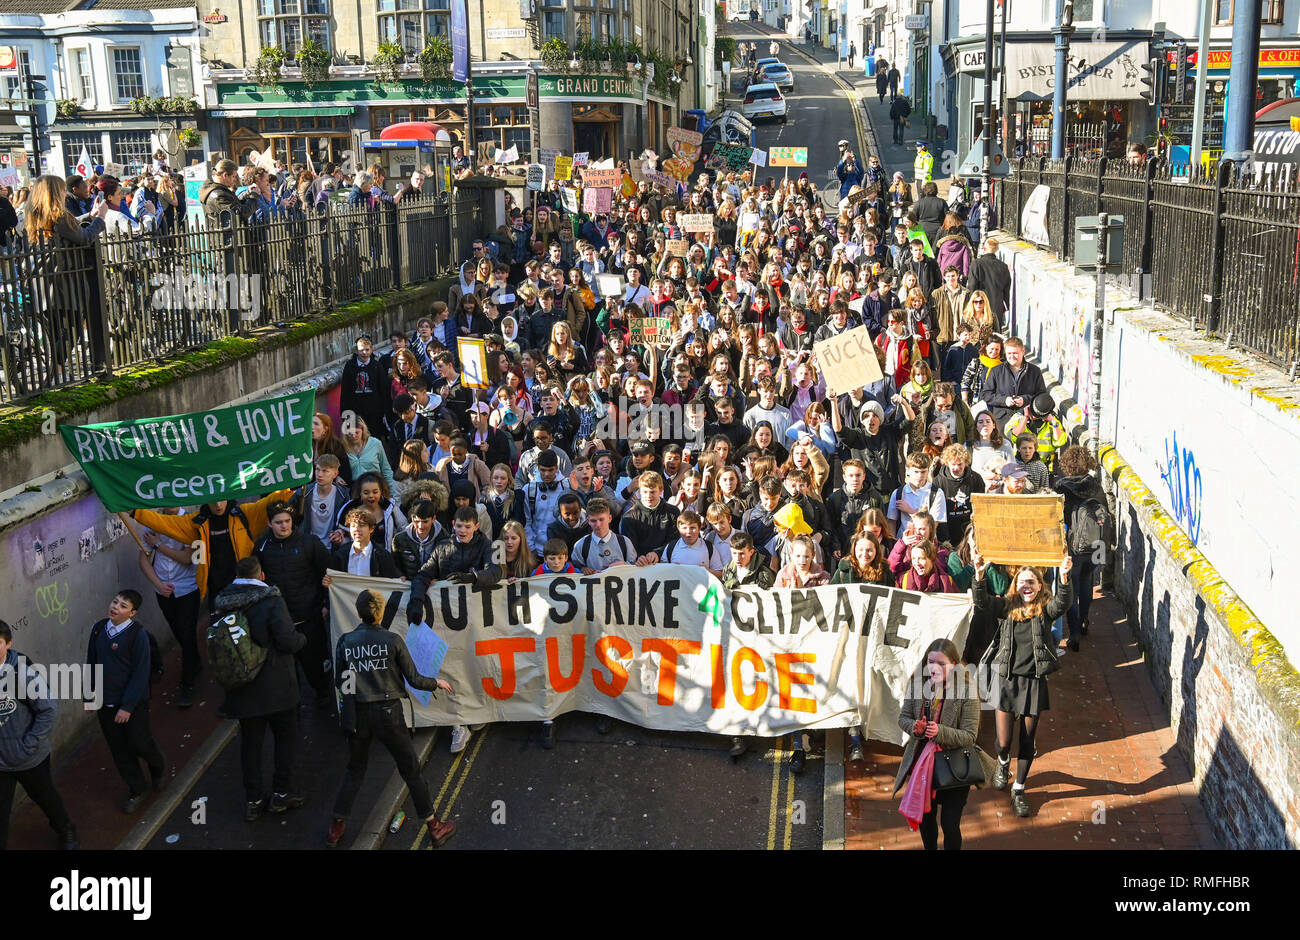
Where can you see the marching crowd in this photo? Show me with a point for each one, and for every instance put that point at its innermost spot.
(718, 443)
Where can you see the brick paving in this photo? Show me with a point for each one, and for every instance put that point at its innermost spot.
(1105, 745)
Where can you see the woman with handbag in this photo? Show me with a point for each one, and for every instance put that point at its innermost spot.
(941, 760)
(1018, 661)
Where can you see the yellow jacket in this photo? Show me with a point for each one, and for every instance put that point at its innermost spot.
(247, 522)
(923, 166)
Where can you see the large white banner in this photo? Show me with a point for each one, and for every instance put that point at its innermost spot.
(667, 647)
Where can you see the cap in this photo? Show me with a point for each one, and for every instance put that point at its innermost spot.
(642, 449)
(1043, 405)
(790, 516)
(481, 407)
(920, 145)
(843, 143)
(871, 407)
(1013, 469)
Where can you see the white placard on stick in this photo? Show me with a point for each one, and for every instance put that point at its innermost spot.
(848, 361)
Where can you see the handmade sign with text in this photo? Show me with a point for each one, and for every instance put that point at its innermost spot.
(787, 156)
(669, 648)
(696, 221)
(848, 361)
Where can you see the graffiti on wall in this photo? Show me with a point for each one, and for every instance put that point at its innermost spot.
(1059, 335)
(1182, 478)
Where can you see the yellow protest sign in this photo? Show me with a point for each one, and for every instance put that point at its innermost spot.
(1019, 530)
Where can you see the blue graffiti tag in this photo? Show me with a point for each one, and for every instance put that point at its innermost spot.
(1183, 478)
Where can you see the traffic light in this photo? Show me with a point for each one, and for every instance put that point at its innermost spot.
(1180, 72)
(1148, 77)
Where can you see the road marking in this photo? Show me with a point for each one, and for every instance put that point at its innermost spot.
(446, 782)
(469, 764)
(779, 755)
(789, 809)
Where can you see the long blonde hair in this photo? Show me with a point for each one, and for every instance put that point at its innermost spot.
(526, 561)
(46, 207)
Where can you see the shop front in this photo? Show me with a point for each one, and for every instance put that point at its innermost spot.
(1104, 106)
(112, 138)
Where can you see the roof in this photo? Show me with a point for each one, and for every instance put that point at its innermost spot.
(136, 4)
(37, 7)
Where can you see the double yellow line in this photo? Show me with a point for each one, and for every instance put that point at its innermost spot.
(781, 765)
(462, 764)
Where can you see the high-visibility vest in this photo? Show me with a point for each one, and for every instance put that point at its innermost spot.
(923, 166)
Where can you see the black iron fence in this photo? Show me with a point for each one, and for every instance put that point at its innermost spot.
(71, 313)
(1221, 251)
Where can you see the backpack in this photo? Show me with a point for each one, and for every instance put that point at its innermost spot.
(1091, 524)
(156, 665)
(234, 656)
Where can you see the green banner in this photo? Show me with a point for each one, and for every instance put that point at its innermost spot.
(203, 457)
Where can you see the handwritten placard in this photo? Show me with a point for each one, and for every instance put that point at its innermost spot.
(649, 331)
(602, 178)
(680, 135)
(787, 156)
(696, 222)
(563, 167)
(727, 156)
(677, 247)
(848, 361)
(1019, 529)
(597, 200)
(758, 157)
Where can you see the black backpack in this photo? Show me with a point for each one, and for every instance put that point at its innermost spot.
(156, 665)
(1091, 524)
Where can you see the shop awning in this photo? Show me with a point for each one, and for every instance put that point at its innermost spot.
(1098, 71)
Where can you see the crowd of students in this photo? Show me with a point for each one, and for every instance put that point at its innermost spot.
(719, 445)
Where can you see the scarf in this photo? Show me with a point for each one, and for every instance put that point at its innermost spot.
(988, 364)
(918, 795)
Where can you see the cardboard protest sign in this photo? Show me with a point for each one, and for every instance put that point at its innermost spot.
(485, 151)
(580, 159)
(610, 285)
(535, 179)
(563, 167)
(668, 647)
(677, 246)
(10, 178)
(730, 156)
(856, 195)
(696, 221)
(1028, 529)
(848, 361)
(115, 169)
(680, 170)
(649, 331)
(658, 177)
(201, 457)
(787, 156)
(597, 200)
(546, 157)
(680, 135)
(569, 199)
(609, 179)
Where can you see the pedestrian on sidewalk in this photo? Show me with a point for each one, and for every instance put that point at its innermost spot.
(893, 80)
(26, 721)
(899, 109)
(271, 699)
(941, 713)
(372, 663)
(1019, 660)
(853, 52)
(882, 79)
(120, 644)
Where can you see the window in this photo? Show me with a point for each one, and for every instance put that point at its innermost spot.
(81, 83)
(553, 25)
(1270, 13)
(505, 125)
(285, 23)
(72, 144)
(14, 84)
(133, 149)
(128, 74)
(403, 21)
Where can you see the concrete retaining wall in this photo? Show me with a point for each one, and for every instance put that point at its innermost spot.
(1203, 439)
(65, 556)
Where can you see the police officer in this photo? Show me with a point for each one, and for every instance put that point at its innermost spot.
(370, 664)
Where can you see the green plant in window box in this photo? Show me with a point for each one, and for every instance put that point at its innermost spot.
(555, 55)
(67, 108)
(589, 52)
(435, 59)
(314, 61)
(188, 136)
(266, 70)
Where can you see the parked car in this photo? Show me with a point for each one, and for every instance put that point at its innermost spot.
(764, 101)
(779, 74)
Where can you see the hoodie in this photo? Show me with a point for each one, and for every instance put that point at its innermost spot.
(275, 687)
(26, 722)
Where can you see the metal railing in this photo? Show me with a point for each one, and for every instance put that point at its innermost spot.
(72, 313)
(1220, 250)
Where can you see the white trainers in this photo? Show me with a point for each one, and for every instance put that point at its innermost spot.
(459, 738)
